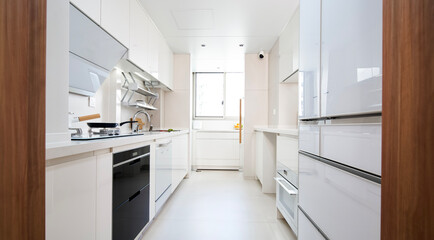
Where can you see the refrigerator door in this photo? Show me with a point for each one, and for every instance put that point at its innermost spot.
(309, 76)
(351, 57)
(342, 204)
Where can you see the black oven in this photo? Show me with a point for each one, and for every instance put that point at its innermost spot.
(131, 170)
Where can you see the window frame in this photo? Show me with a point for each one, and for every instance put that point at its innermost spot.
(224, 117)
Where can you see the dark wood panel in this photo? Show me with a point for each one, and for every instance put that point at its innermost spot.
(408, 120)
(22, 119)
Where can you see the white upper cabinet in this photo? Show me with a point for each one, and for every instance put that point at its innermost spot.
(139, 35)
(351, 57)
(92, 8)
(289, 49)
(165, 63)
(309, 73)
(153, 50)
(115, 19)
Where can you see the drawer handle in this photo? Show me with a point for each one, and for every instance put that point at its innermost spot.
(134, 196)
(290, 192)
(134, 162)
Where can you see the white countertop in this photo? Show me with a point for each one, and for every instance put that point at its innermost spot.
(63, 149)
(278, 130)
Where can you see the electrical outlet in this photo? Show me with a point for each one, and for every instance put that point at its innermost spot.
(92, 102)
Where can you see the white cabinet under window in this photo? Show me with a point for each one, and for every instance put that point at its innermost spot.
(115, 19)
(92, 8)
(217, 150)
(351, 57)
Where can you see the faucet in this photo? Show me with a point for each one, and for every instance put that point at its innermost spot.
(147, 117)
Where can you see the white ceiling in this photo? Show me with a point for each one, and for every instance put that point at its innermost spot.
(221, 25)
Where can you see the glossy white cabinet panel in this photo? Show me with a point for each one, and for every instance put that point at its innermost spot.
(289, 48)
(287, 151)
(139, 35)
(115, 19)
(216, 149)
(179, 159)
(92, 8)
(309, 135)
(259, 153)
(351, 57)
(309, 73)
(104, 178)
(343, 205)
(358, 146)
(71, 200)
(306, 230)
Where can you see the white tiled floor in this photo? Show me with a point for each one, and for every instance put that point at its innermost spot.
(219, 205)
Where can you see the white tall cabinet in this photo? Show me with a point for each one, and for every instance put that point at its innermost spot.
(289, 49)
(309, 76)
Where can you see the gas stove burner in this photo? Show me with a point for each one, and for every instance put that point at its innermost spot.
(104, 131)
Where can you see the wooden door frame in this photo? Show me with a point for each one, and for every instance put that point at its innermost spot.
(407, 205)
(22, 119)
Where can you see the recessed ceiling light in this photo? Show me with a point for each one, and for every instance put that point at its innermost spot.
(241, 45)
(203, 45)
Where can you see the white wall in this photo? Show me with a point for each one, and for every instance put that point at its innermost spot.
(57, 71)
(256, 106)
(177, 104)
(273, 86)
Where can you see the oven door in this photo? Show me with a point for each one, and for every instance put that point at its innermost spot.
(287, 201)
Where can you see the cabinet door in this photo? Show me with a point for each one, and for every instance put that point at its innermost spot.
(309, 77)
(180, 159)
(115, 19)
(71, 190)
(104, 178)
(306, 230)
(92, 8)
(285, 58)
(351, 57)
(139, 28)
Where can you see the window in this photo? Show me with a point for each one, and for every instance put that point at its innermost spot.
(217, 95)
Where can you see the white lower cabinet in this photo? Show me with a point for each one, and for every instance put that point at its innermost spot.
(343, 205)
(71, 197)
(217, 150)
(104, 180)
(179, 159)
(306, 230)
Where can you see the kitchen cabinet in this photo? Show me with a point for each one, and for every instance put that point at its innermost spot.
(115, 19)
(309, 72)
(92, 8)
(179, 159)
(351, 57)
(265, 157)
(165, 63)
(139, 35)
(287, 154)
(71, 197)
(104, 186)
(289, 50)
(153, 50)
(217, 150)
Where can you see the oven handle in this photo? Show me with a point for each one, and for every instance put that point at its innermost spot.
(290, 192)
(130, 160)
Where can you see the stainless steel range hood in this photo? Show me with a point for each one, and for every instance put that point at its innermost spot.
(92, 53)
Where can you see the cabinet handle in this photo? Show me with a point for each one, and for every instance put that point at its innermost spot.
(315, 96)
(290, 192)
(134, 196)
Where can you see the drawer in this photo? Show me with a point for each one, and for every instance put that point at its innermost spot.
(358, 146)
(306, 230)
(343, 205)
(287, 151)
(309, 135)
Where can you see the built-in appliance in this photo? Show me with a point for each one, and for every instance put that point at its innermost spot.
(163, 173)
(131, 177)
(93, 53)
(101, 130)
(340, 93)
(287, 195)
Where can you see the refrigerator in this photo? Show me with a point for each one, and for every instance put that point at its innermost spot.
(340, 100)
